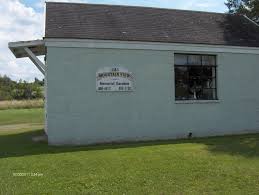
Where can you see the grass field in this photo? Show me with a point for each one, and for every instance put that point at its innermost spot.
(21, 104)
(219, 165)
(21, 116)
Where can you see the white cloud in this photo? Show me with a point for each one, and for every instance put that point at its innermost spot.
(41, 3)
(205, 5)
(18, 23)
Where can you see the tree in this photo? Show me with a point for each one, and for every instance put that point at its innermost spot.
(10, 90)
(232, 6)
(38, 82)
(250, 8)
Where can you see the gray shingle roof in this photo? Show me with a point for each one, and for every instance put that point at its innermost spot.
(129, 23)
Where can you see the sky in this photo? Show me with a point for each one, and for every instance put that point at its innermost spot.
(22, 20)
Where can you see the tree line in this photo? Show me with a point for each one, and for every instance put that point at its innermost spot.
(20, 90)
(250, 8)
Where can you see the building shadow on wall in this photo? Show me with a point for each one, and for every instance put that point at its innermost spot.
(21, 144)
(238, 31)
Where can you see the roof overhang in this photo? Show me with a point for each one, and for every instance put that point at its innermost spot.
(36, 46)
(30, 49)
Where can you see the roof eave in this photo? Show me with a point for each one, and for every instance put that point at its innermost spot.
(36, 46)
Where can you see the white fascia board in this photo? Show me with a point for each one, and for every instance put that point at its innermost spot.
(137, 45)
(26, 43)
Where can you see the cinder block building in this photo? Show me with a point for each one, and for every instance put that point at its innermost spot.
(124, 73)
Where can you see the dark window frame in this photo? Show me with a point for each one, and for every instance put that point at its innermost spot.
(189, 66)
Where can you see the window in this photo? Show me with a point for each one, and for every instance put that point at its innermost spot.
(195, 77)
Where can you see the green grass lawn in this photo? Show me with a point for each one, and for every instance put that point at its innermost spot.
(219, 165)
(21, 116)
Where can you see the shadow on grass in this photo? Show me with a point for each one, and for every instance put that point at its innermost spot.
(21, 144)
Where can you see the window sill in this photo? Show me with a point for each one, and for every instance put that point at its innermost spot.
(196, 101)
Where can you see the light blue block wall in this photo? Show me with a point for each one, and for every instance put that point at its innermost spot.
(77, 114)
